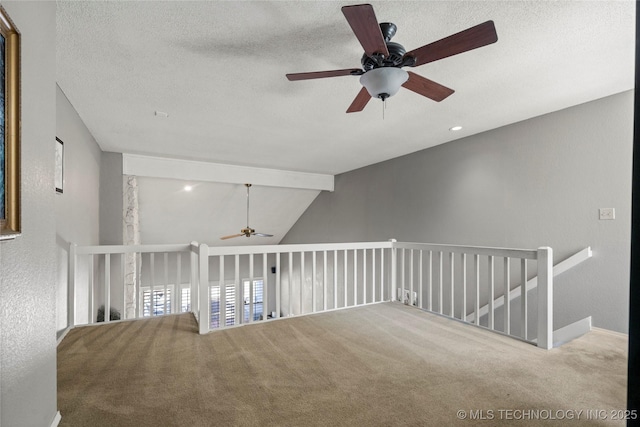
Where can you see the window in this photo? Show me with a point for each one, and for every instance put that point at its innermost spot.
(249, 302)
(230, 305)
(258, 289)
(156, 303)
(185, 300)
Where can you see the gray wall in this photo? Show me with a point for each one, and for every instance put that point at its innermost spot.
(536, 183)
(111, 199)
(77, 208)
(28, 263)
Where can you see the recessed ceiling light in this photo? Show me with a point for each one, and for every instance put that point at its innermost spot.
(455, 128)
(188, 188)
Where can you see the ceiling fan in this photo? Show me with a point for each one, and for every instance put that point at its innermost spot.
(248, 231)
(382, 74)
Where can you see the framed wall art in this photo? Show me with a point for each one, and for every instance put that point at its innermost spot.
(9, 127)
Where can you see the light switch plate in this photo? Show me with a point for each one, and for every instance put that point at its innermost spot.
(607, 213)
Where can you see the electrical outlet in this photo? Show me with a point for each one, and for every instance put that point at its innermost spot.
(607, 213)
(403, 296)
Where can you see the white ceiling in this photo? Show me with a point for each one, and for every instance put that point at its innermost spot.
(218, 69)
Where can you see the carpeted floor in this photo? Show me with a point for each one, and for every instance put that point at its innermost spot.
(378, 365)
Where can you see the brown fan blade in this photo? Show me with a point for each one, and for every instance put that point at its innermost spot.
(322, 74)
(360, 101)
(426, 87)
(231, 236)
(365, 26)
(469, 39)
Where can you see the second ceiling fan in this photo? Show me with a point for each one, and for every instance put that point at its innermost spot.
(382, 62)
(247, 231)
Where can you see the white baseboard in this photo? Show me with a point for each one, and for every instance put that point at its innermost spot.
(56, 419)
(64, 334)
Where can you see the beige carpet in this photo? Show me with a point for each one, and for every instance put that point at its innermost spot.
(379, 365)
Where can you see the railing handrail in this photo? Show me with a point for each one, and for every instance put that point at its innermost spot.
(480, 250)
(313, 247)
(259, 249)
(122, 249)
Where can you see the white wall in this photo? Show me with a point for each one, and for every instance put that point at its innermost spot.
(78, 207)
(535, 183)
(28, 263)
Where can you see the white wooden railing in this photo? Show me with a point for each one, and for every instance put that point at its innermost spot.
(121, 277)
(231, 286)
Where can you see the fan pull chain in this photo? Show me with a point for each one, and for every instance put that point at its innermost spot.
(384, 107)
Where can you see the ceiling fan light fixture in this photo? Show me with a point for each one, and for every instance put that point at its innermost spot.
(383, 82)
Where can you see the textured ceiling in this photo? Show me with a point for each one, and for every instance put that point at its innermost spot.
(218, 70)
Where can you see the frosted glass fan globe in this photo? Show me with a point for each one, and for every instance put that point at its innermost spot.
(383, 82)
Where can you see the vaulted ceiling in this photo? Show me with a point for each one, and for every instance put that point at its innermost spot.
(217, 69)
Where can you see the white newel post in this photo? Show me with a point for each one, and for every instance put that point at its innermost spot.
(195, 289)
(130, 236)
(203, 264)
(545, 297)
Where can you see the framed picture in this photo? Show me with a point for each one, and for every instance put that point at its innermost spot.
(9, 128)
(59, 174)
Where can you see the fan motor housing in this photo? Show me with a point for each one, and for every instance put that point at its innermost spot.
(396, 51)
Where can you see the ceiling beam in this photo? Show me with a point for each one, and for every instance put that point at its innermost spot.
(191, 170)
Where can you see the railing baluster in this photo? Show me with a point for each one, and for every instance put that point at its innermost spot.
(290, 284)
(344, 268)
(325, 282)
(364, 276)
(166, 281)
(222, 309)
(107, 288)
(463, 315)
(490, 317)
(394, 273)
(335, 279)
(239, 293)
(138, 281)
(382, 275)
(152, 282)
(71, 291)
(476, 268)
(420, 280)
(440, 299)
(251, 291)
(507, 301)
(373, 276)
(303, 281)
(524, 318)
(402, 275)
(355, 277)
(313, 282)
(179, 282)
(411, 299)
(124, 290)
(91, 289)
(265, 288)
(453, 284)
(430, 289)
(278, 293)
